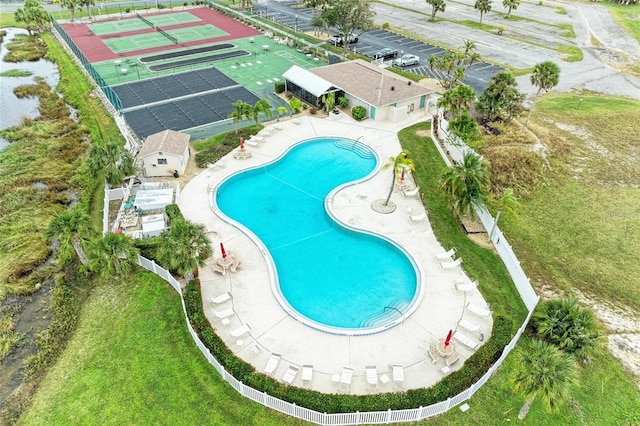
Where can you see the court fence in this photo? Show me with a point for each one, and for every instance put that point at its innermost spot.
(521, 281)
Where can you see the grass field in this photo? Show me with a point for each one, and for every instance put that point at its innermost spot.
(580, 230)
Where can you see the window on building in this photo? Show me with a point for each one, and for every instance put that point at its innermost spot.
(162, 161)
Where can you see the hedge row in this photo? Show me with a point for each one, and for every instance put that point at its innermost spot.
(453, 384)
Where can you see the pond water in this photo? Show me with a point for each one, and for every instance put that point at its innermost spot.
(14, 109)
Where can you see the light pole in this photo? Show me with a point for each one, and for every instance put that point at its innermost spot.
(295, 28)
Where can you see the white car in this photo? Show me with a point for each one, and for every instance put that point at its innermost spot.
(406, 60)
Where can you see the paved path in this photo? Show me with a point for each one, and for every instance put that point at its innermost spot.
(275, 331)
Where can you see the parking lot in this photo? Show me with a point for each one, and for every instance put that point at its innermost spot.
(284, 13)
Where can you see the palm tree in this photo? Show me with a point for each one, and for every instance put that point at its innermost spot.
(113, 254)
(110, 162)
(543, 370)
(71, 229)
(184, 247)
(72, 5)
(500, 96)
(262, 106)
(281, 110)
(457, 100)
(397, 164)
(509, 203)
(464, 127)
(568, 325)
(545, 76)
(483, 6)
(436, 6)
(241, 110)
(511, 4)
(466, 184)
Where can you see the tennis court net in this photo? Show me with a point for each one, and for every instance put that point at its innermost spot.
(169, 36)
(145, 20)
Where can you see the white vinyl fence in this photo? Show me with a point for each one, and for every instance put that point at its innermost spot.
(520, 279)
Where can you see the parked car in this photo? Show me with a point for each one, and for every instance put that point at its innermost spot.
(386, 53)
(338, 39)
(406, 60)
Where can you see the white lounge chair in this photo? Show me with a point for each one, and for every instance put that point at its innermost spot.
(462, 338)
(290, 374)
(397, 371)
(254, 141)
(372, 376)
(418, 217)
(465, 287)
(223, 313)
(237, 332)
(447, 255)
(483, 312)
(345, 379)
(433, 353)
(471, 326)
(451, 264)
(220, 299)
(411, 192)
(307, 375)
(272, 363)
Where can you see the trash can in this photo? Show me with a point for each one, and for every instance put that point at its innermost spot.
(175, 174)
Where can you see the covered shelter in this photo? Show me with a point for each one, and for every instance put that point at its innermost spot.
(164, 154)
(308, 87)
(153, 199)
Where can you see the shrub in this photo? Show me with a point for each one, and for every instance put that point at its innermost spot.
(313, 110)
(385, 25)
(343, 102)
(127, 10)
(358, 112)
(279, 86)
(173, 212)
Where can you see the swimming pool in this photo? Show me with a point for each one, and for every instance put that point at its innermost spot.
(338, 279)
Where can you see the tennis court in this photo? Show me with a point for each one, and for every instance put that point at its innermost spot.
(157, 38)
(134, 24)
(187, 52)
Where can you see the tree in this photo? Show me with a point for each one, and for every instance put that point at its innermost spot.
(450, 68)
(482, 6)
(71, 229)
(501, 98)
(296, 105)
(110, 162)
(436, 6)
(33, 15)
(113, 254)
(465, 127)
(241, 110)
(316, 4)
(329, 102)
(281, 110)
(318, 22)
(511, 5)
(184, 247)
(88, 4)
(509, 203)
(347, 16)
(545, 76)
(466, 184)
(262, 106)
(567, 325)
(543, 370)
(397, 164)
(457, 100)
(72, 5)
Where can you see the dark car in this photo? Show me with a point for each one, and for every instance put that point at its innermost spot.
(337, 39)
(385, 53)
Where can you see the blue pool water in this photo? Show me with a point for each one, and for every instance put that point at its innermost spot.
(330, 275)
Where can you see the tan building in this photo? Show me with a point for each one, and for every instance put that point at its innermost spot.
(384, 94)
(164, 154)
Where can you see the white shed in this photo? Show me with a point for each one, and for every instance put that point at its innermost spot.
(152, 225)
(165, 153)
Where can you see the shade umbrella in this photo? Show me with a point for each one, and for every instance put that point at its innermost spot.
(242, 144)
(402, 176)
(448, 339)
(224, 253)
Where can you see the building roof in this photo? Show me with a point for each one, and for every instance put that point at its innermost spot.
(168, 141)
(312, 83)
(374, 85)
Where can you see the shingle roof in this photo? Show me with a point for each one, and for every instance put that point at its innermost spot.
(166, 141)
(372, 84)
(313, 84)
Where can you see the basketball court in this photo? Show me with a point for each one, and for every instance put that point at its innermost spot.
(184, 70)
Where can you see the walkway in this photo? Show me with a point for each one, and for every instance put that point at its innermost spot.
(272, 330)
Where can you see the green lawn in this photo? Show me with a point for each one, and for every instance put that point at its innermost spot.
(132, 361)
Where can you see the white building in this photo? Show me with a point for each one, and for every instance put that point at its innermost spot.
(164, 154)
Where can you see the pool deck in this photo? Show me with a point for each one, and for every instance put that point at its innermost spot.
(273, 330)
